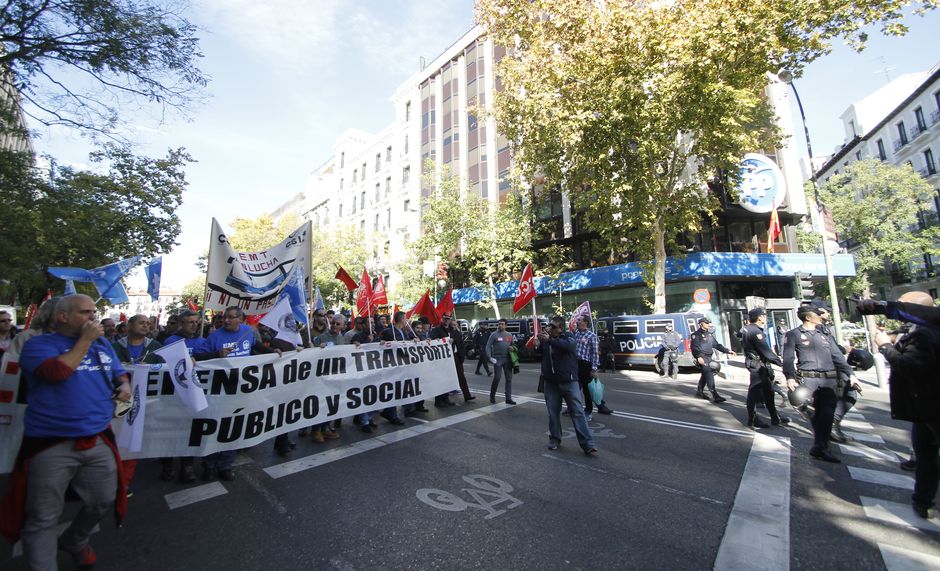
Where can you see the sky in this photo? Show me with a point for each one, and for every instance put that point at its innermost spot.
(288, 77)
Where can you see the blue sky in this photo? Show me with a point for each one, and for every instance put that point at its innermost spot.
(289, 77)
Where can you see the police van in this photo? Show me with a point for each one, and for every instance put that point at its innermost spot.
(521, 330)
(636, 339)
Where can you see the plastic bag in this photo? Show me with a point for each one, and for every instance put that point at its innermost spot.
(596, 390)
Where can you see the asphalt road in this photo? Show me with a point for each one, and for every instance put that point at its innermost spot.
(679, 483)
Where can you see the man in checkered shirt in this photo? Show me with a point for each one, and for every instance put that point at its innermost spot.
(586, 348)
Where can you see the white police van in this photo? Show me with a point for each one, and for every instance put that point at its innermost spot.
(636, 339)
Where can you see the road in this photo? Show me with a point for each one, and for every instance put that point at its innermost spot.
(679, 483)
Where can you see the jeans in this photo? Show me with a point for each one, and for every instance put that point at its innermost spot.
(571, 393)
(93, 476)
(498, 369)
(925, 439)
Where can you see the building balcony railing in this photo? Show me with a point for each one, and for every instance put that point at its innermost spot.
(934, 117)
(916, 131)
(928, 171)
(898, 144)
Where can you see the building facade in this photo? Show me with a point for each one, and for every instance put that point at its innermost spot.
(900, 124)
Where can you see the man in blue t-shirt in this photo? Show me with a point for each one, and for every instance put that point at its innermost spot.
(234, 339)
(73, 374)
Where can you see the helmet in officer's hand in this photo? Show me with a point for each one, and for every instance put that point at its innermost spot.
(860, 359)
(715, 366)
(801, 395)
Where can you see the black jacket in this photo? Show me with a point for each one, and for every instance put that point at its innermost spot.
(915, 375)
(559, 361)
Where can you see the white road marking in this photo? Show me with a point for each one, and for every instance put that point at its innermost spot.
(683, 424)
(869, 453)
(882, 478)
(897, 514)
(192, 495)
(854, 416)
(897, 559)
(857, 425)
(758, 532)
(863, 437)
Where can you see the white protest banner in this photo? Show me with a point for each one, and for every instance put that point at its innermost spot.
(253, 280)
(281, 319)
(12, 410)
(253, 399)
(177, 358)
(132, 436)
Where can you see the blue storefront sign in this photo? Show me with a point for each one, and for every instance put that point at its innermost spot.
(701, 265)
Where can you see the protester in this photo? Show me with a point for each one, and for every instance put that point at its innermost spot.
(136, 347)
(73, 374)
(497, 351)
(589, 360)
(7, 331)
(560, 382)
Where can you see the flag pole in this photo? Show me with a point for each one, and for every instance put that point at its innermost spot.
(309, 333)
(205, 289)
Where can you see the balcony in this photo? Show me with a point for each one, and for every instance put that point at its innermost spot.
(934, 117)
(928, 171)
(898, 144)
(916, 131)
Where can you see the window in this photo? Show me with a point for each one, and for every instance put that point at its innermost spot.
(921, 120)
(852, 128)
(405, 175)
(881, 150)
(407, 111)
(388, 153)
(657, 325)
(354, 204)
(362, 226)
(362, 199)
(342, 160)
(902, 132)
(858, 155)
(407, 206)
(378, 161)
(377, 188)
(406, 144)
(375, 225)
(340, 185)
(388, 219)
(340, 214)
(631, 327)
(388, 186)
(363, 172)
(355, 175)
(929, 162)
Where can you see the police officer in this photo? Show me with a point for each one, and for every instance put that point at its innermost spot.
(757, 360)
(848, 394)
(703, 345)
(812, 358)
(666, 358)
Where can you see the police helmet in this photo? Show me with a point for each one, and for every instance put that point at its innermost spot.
(715, 366)
(860, 359)
(801, 395)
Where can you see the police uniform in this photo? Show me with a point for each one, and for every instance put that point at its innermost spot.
(846, 395)
(757, 360)
(811, 357)
(703, 345)
(664, 365)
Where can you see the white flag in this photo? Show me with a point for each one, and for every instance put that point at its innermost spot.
(584, 310)
(180, 366)
(132, 435)
(281, 319)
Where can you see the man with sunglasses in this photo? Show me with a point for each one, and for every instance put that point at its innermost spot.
(7, 331)
(560, 382)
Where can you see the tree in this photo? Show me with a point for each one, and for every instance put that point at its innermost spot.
(341, 246)
(77, 63)
(257, 234)
(859, 198)
(634, 108)
(87, 219)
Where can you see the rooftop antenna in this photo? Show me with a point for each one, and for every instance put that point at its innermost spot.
(885, 69)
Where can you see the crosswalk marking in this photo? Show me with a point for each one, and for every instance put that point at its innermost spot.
(857, 425)
(864, 437)
(758, 532)
(854, 416)
(897, 514)
(866, 452)
(192, 495)
(897, 559)
(882, 478)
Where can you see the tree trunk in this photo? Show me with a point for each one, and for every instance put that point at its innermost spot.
(659, 271)
(880, 373)
(493, 296)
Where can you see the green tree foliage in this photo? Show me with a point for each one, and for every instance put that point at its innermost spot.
(87, 219)
(860, 197)
(341, 246)
(634, 107)
(256, 234)
(78, 63)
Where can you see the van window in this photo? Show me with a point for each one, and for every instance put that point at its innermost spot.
(631, 327)
(692, 325)
(512, 327)
(657, 325)
(602, 327)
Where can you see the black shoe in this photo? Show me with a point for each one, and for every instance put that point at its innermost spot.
(510, 401)
(701, 395)
(824, 455)
(837, 435)
(412, 412)
(187, 475)
(908, 465)
(921, 510)
(208, 474)
(368, 429)
(357, 421)
(421, 408)
(282, 450)
(590, 451)
(373, 424)
(756, 422)
(395, 420)
(168, 474)
(469, 398)
(492, 400)
(780, 420)
(718, 398)
(227, 474)
(602, 409)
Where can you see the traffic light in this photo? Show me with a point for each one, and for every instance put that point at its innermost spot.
(804, 286)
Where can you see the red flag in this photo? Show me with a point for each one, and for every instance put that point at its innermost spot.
(254, 319)
(425, 307)
(379, 297)
(773, 230)
(30, 312)
(526, 291)
(122, 317)
(446, 305)
(364, 294)
(343, 276)
(191, 303)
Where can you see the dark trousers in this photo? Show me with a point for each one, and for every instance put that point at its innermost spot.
(485, 362)
(462, 378)
(761, 390)
(925, 439)
(824, 403)
(584, 377)
(707, 378)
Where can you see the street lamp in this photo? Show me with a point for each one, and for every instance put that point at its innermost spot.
(816, 213)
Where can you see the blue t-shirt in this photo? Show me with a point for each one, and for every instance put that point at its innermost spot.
(240, 342)
(194, 344)
(80, 405)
